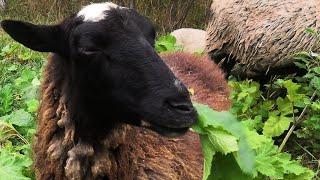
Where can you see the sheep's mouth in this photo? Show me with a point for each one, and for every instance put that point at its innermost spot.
(164, 131)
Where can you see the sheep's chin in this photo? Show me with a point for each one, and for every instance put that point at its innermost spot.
(164, 131)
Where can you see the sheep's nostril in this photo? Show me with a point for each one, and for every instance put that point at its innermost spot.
(181, 107)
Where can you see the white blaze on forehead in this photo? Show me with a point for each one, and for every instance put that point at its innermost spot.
(96, 12)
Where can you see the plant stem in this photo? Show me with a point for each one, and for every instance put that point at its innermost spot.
(287, 137)
(298, 121)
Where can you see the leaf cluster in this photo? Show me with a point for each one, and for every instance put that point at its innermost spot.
(19, 84)
(167, 43)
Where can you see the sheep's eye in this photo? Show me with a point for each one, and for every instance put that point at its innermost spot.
(89, 50)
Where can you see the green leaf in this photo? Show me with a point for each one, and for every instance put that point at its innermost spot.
(35, 82)
(226, 168)
(284, 106)
(300, 65)
(220, 126)
(248, 103)
(20, 118)
(316, 70)
(26, 77)
(267, 163)
(32, 105)
(13, 68)
(276, 125)
(6, 99)
(306, 175)
(12, 166)
(275, 165)
(242, 95)
(291, 167)
(315, 106)
(256, 140)
(292, 90)
(316, 82)
(253, 124)
(222, 141)
(167, 43)
(208, 153)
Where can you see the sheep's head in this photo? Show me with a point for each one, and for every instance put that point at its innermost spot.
(113, 68)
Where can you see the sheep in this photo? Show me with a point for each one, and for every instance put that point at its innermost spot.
(192, 40)
(157, 157)
(260, 36)
(145, 154)
(103, 88)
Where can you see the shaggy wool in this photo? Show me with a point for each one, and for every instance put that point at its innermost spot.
(262, 34)
(127, 152)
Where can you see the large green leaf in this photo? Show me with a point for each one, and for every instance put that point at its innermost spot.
(267, 163)
(12, 166)
(208, 152)
(232, 172)
(225, 134)
(19, 118)
(276, 125)
(256, 140)
(223, 141)
(271, 163)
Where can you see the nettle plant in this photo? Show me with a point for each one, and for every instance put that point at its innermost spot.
(286, 110)
(270, 118)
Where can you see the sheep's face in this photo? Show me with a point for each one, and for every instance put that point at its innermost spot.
(114, 67)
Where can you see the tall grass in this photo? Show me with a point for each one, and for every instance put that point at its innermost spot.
(166, 14)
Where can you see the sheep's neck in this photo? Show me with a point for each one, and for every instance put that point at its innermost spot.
(91, 114)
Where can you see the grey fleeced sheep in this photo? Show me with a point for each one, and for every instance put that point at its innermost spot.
(261, 35)
(192, 40)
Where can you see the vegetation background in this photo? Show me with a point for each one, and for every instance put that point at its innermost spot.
(166, 14)
(282, 119)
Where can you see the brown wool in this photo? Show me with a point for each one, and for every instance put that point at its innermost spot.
(128, 152)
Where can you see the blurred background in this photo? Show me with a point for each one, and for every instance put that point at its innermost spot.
(166, 14)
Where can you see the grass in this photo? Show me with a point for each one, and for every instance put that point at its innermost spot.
(166, 14)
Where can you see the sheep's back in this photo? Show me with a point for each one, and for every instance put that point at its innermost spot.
(191, 40)
(262, 33)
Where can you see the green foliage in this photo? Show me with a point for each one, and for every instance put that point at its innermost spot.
(234, 150)
(167, 43)
(221, 133)
(271, 163)
(310, 62)
(19, 84)
(268, 112)
(13, 165)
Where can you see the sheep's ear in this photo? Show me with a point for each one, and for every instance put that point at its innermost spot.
(36, 37)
